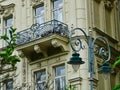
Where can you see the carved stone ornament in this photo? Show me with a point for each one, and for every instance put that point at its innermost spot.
(58, 43)
(36, 2)
(7, 10)
(108, 4)
(98, 1)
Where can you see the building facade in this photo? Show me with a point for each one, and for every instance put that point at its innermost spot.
(43, 28)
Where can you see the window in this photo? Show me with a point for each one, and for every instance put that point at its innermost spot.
(8, 24)
(39, 14)
(60, 80)
(58, 10)
(40, 80)
(8, 85)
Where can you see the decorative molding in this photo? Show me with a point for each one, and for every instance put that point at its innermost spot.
(100, 32)
(37, 49)
(20, 53)
(108, 4)
(58, 43)
(7, 10)
(75, 79)
(36, 2)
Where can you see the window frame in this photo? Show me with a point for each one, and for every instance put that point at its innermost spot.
(5, 23)
(41, 15)
(6, 28)
(59, 77)
(57, 10)
(41, 81)
(5, 84)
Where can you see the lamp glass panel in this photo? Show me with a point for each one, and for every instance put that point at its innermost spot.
(106, 75)
(75, 67)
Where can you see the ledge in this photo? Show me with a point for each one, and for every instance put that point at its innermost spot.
(105, 35)
(48, 58)
(75, 79)
(42, 40)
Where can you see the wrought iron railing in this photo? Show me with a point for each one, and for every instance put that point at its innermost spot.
(37, 31)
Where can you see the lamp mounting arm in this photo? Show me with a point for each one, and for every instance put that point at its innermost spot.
(78, 41)
(102, 50)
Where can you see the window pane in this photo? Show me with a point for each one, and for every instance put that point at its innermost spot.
(39, 14)
(57, 4)
(57, 84)
(41, 86)
(8, 24)
(41, 75)
(40, 80)
(58, 10)
(60, 71)
(39, 10)
(9, 85)
(63, 83)
(60, 80)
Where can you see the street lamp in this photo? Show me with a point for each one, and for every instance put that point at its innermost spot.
(76, 60)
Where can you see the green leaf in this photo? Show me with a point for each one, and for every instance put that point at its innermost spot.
(13, 59)
(70, 87)
(13, 29)
(7, 53)
(10, 33)
(116, 63)
(4, 37)
(2, 53)
(117, 87)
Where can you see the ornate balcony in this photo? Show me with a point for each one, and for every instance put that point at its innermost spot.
(37, 31)
(43, 40)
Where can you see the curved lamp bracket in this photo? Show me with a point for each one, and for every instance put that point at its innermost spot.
(77, 40)
(102, 50)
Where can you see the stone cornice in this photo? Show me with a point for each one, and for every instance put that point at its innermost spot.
(36, 2)
(7, 10)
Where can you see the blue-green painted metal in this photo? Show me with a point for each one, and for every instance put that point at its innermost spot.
(105, 68)
(75, 59)
(91, 44)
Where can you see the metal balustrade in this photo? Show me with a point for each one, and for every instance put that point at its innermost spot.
(37, 31)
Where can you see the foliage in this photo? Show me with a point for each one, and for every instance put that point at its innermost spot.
(117, 87)
(70, 87)
(7, 54)
(116, 63)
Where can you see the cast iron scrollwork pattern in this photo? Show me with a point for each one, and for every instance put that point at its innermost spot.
(103, 51)
(77, 41)
(37, 31)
